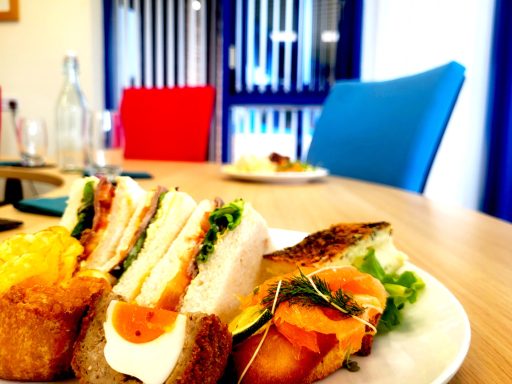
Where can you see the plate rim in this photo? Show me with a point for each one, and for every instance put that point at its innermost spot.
(456, 363)
(268, 176)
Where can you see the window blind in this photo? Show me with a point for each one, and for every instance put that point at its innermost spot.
(161, 43)
(285, 45)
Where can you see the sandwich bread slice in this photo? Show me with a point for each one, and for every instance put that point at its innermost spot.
(229, 260)
(169, 279)
(97, 213)
(127, 196)
(135, 230)
(174, 209)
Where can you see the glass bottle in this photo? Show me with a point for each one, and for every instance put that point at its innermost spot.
(71, 117)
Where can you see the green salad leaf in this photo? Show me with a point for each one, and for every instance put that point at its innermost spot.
(402, 288)
(134, 252)
(85, 214)
(225, 218)
(137, 247)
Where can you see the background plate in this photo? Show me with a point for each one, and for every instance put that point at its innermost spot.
(274, 177)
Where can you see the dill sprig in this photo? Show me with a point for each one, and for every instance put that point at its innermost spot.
(301, 290)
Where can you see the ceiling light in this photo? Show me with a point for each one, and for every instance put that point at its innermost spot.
(330, 36)
(196, 5)
(284, 36)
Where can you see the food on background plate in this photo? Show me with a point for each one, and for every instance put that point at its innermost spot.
(127, 343)
(285, 164)
(272, 163)
(253, 163)
(305, 325)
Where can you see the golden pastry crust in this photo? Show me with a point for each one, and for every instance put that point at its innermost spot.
(39, 325)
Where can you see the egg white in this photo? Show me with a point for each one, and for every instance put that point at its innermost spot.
(150, 362)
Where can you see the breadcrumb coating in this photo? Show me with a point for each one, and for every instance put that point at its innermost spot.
(39, 325)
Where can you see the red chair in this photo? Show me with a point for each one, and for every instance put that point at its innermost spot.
(167, 123)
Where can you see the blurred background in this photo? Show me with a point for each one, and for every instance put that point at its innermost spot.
(271, 62)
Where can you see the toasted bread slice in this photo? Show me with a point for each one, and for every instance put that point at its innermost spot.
(340, 244)
(231, 270)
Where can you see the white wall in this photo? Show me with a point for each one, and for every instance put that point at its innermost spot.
(31, 53)
(402, 37)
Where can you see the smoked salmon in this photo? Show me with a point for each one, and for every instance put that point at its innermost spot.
(320, 318)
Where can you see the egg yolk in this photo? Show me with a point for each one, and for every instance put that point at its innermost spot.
(140, 324)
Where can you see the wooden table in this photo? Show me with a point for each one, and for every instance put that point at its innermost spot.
(470, 253)
(14, 175)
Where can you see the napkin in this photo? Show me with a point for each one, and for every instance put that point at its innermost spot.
(11, 163)
(132, 174)
(17, 163)
(50, 206)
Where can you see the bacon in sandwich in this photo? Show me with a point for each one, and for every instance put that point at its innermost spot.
(97, 213)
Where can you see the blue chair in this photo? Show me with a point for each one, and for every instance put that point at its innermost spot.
(386, 132)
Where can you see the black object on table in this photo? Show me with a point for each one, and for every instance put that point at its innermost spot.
(13, 189)
(6, 224)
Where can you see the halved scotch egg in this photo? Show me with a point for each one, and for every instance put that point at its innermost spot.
(143, 342)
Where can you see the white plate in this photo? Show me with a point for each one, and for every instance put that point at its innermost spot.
(428, 347)
(274, 177)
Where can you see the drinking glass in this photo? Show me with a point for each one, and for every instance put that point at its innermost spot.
(104, 144)
(32, 141)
